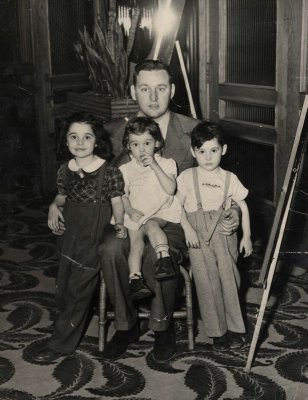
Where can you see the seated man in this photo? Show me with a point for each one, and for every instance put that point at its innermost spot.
(152, 89)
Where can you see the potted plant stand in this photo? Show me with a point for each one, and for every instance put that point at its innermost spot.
(96, 104)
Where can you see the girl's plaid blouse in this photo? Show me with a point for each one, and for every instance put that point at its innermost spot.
(83, 190)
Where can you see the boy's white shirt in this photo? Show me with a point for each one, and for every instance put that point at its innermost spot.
(211, 189)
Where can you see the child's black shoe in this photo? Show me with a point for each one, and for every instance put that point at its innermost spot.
(221, 343)
(120, 342)
(164, 269)
(235, 340)
(138, 289)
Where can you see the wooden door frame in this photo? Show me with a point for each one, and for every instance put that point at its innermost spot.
(45, 83)
(43, 94)
(288, 67)
(288, 71)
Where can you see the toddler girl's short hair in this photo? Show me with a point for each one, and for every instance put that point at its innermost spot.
(103, 146)
(205, 131)
(140, 125)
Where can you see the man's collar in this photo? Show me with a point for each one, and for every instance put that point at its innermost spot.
(163, 119)
(159, 120)
(163, 123)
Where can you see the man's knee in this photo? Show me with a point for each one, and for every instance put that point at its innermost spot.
(111, 245)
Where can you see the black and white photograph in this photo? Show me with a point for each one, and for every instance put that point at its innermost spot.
(154, 199)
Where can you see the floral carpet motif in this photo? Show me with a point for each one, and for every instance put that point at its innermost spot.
(27, 269)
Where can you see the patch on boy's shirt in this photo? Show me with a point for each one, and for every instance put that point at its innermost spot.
(212, 185)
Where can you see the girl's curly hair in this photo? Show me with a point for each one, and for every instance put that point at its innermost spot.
(103, 146)
(140, 125)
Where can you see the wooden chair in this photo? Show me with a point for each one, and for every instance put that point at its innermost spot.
(183, 313)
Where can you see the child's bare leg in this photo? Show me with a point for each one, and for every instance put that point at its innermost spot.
(137, 287)
(157, 236)
(136, 251)
(158, 239)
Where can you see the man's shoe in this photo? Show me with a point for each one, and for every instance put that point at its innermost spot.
(138, 289)
(164, 269)
(235, 340)
(48, 355)
(164, 345)
(221, 343)
(119, 343)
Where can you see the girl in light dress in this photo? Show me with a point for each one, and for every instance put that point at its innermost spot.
(150, 184)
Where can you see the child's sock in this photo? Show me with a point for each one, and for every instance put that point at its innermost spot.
(135, 275)
(162, 250)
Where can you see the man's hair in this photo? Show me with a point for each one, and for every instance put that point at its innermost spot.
(205, 131)
(140, 125)
(151, 65)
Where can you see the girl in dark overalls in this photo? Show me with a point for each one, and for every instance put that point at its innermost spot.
(89, 192)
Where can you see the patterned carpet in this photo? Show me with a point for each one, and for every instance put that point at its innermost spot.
(27, 270)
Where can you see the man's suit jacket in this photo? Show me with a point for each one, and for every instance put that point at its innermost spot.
(177, 142)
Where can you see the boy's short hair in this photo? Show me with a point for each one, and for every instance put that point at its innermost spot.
(140, 125)
(151, 65)
(205, 131)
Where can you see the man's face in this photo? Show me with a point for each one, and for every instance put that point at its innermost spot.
(153, 92)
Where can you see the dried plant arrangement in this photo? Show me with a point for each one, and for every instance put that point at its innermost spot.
(105, 57)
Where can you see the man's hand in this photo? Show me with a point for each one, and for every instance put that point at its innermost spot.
(121, 231)
(61, 229)
(229, 221)
(56, 220)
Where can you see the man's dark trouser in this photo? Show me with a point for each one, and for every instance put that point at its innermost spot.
(114, 254)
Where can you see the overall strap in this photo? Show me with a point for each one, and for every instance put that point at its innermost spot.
(196, 187)
(227, 183)
(227, 199)
(100, 181)
(221, 208)
(96, 215)
(65, 175)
